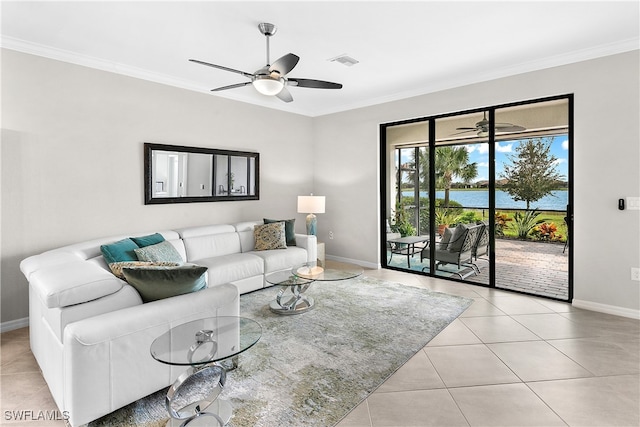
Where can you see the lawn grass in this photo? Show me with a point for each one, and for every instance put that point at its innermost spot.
(554, 217)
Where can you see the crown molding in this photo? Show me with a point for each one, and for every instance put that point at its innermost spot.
(442, 84)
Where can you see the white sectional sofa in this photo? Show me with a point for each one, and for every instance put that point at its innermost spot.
(90, 331)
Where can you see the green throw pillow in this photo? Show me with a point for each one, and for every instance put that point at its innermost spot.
(151, 239)
(155, 283)
(163, 251)
(116, 267)
(122, 250)
(289, 229)
(269, 236)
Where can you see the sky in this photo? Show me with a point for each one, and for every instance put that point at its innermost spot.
(479, 153)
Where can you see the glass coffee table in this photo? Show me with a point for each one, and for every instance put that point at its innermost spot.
(291, 298)
(192, 400)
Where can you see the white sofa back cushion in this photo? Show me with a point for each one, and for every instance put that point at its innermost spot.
(247, 238)
(212, 246)
(73, 283)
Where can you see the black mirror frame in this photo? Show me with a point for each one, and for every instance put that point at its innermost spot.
(148, 178)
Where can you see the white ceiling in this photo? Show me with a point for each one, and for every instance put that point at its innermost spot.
(404, 48)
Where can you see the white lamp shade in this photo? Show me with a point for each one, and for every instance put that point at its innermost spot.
(310, 204)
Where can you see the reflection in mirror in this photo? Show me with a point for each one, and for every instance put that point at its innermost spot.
(178, 174)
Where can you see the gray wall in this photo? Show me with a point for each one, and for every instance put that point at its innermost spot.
(606, 159)
(72, 158)
(72, 163)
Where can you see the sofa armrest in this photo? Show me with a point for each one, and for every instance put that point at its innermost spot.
(310, 243)
(107, 359)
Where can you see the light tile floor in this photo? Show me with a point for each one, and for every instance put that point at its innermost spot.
(508, 360)
(512, 360)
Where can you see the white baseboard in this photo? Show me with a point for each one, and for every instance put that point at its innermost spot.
(354, 261)
(587, 305)
(14, 324)
(605, 308)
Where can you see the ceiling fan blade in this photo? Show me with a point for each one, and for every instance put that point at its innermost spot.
(220, 67)
(316, 84)
(230, 86)
(285, 95)
(466, 129)
(285, 64)
(510, 128)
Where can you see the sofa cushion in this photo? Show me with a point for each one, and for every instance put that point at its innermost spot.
(122, 250)
(73, 283)
(163, 252)
(289, 229)
(155, 283)
(58, 318)
(232, 267)
(270, 236)
(149, 240)
(211, 246)
(277, 259)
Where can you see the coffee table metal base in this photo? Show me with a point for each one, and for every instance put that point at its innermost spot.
(297, 302)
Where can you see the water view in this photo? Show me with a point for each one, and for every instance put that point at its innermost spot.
(556, 201)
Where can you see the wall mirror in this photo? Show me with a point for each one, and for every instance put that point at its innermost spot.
(179, 174)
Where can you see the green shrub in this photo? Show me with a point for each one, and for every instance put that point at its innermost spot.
(524, 222)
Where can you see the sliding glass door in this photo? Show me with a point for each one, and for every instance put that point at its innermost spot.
(482, 196)
(532, 199)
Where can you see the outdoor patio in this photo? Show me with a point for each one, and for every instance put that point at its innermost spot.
(537, 268)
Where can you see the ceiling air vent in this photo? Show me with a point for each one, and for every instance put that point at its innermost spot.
(344, 59)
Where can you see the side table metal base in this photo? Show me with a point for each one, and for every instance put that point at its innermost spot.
(210, 416)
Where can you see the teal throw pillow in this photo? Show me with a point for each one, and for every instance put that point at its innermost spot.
(163, 251)
(155, 283)
(151, 239)
(289, 229)
(120, 251)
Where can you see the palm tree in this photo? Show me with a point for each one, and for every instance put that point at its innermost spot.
(453, 162)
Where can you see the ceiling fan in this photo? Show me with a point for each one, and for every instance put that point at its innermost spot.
(271, 79)
(482, 127)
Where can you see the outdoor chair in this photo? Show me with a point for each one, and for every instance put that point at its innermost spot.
(481, 247)
(458, 249)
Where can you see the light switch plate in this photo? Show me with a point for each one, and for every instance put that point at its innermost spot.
(633, 203)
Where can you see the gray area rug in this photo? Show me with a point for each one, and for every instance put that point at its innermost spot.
(313, 368)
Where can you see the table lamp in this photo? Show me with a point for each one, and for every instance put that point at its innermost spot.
(311, 205)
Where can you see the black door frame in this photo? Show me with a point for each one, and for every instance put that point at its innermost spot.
(384, 214)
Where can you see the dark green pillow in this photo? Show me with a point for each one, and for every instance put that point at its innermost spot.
(155, 283)
(289, 229)
(120, 251)
(149, 240)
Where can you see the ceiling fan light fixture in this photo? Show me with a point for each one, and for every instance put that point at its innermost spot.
(267, 85)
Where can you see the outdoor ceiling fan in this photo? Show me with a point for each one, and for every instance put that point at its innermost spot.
(271, 79)
(482, 127)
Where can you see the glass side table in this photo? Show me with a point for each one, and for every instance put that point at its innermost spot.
(201, 344)
(291, 298)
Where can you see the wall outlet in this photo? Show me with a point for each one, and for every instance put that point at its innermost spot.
(635, 274)
(331, 235)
